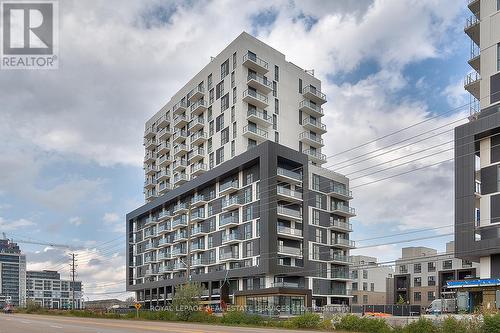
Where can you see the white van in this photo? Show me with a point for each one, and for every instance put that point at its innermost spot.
(442, 305)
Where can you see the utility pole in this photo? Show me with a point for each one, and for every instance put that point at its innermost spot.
(73, 270)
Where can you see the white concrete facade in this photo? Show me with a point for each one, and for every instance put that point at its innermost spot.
(247, 94)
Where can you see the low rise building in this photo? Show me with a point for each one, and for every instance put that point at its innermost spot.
(47, 289)
(369, 281)
(422, 273)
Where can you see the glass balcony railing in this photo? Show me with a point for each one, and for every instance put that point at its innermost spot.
(228, 255)
(289, 174)
(340, 224)
(255, 94)
(312, 137)
(259, 114)
(289, 231)
(313, 91)
(253, 58)
(289, 193)
(259, 78)
(227, 185)
(231, 237)
(314, 122)
(290, 212)
(256, 130)
(231, 219)
(290, 250)
(316, 108)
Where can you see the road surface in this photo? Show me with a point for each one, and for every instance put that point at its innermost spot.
(23, 323)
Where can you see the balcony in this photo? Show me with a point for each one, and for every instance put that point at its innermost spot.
(475, 57)
(472, 83)
(340, 192)
(196, 94)
(228, 187)
(196, 155)
(198, 246)
(228, 221)
(255, 98)
(289, 232)
(164, 228)
(179, 266)
(198, 108)
(164, 242)
(149, 133)
(198, 215)
(289, 213)
(162, 175)
(179, 165)
(288, 176)
(181, 208)
(198, 200)
(150, 221)
(260, 117)
(164, 214)
(164, 187)
(164, 160)
(473, 28)
(150, 170)
(163, 121)
(180, 237)
(163, 148)
(176, 252)
(289, 251)
(180, 136)
(340, 225)
(288, 195)
(148, 233)
(255, 133)
(180, 121)
(343, 210)
(198, 262)
(179, 108)
(259, 82)
(198, 231)
(474, 5)
(164, 256)
(341, 242)
(196, 124)
(150, 195)
(228, 256)
(180, 150)
(338, 292)
(311, 108)
(164, 134)
(198, 169)
(340, 258)
(314, 95)
(149, 158)
(231, 238)
(314, 125)
(255, 63)
(315, 156)
(198, 138)
(311, 139)
(232, 203)
(179, 223)
(150, 144)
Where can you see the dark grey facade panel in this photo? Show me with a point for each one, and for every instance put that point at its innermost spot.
(489, 183)
(495, 148)
(495, 88)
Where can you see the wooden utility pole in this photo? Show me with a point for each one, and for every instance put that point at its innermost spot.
(73, 270)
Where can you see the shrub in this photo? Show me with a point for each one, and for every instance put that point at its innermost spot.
(203, 317)
(491, 324)
(422, 325)
(186, 300)
(363, 324)
(241, 318)
(32, 307)
(308, 320)
(452, 325)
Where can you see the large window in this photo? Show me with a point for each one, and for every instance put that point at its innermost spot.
(219, 158)
(224, 69)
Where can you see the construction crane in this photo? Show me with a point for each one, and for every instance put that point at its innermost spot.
(63, 246)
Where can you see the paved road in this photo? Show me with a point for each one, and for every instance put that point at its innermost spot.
(21, 323)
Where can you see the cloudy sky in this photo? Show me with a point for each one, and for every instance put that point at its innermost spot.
(71, 139)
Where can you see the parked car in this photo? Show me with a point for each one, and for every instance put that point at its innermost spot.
(8, 309)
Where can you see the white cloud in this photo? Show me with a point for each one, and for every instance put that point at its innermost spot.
(76, 221)
(455, 94)
(10, 225)
(114, 222)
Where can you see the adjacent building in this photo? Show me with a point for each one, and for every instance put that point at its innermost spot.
(369, 281)
(477, 154)
(12, 274)
(47, 289)
(236, 198)
(421, 274)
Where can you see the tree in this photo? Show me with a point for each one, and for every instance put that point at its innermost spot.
(130, 301)
(186, 300)
(401, 300)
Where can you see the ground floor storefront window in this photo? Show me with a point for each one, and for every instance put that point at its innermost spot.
(276, 305)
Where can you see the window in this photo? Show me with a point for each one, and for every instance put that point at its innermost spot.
(315, 217)
(431, 280)
(234, 95)
(354, 286)
(224, 136)
(257, 229)
(403, 269)
(232, 80)
(275, 122)
(319, 235)
(276, 106)
(224, 102)
(249, 249)
(431, 267)
(276, 73)
(219, 158)
(354, 275)
(234, 60)
(365, 299)
(417, 282)
(417, 296)
(224, 69)
(209, 81)
(209, 145)
(315, 182)
(210, 241)
(300, 86)
(365, 274)
(211, 96)
(232, 148)
(276, 137)
(372, 286)
(498, 4)
(431, 295)
(211, 128)
(233, 116)
(234, 130)
(417, 268)
(211, 160)
(219, 90)
(365, 286)
(447, 264)
(355, 299)
(219, 123)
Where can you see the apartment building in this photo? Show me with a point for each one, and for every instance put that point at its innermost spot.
(47, 289)
(236, 197)
(421, 274)
(369, 281)
(12, 274)
(239, 100)
(477, 153)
